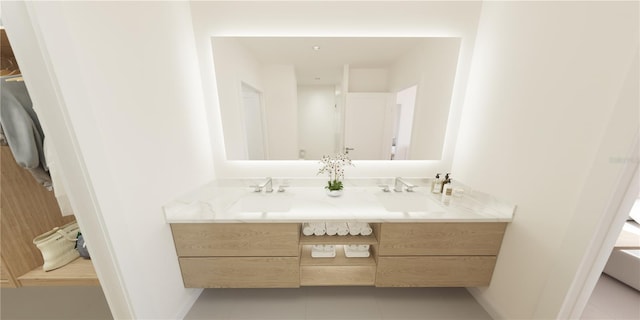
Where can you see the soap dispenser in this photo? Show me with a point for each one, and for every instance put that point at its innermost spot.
(436, 184)
(444, 181)
(447, 191)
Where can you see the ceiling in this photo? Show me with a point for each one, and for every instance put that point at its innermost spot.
(324, 65)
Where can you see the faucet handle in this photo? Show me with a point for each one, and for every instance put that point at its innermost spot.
(385, 188)
(256, 188)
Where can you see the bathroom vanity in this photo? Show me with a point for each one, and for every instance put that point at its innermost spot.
(227, 235)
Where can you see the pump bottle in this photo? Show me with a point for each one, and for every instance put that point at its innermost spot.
(436, 184)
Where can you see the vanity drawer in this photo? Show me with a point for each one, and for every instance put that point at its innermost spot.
(236, 239)
(241, 272)
(435, 271)
(401, 239)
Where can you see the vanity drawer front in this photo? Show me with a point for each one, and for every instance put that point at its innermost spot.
(401, 239)
(241, 272)
(337, 275)
(435, 271)
(236, 239)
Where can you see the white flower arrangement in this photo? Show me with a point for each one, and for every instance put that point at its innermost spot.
(333, 166)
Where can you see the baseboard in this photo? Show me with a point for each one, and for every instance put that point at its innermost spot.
(486, 305)
(194, 294)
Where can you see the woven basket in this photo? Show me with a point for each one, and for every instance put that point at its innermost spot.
(58, 246)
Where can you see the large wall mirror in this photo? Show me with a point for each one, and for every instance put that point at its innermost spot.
(285, 98)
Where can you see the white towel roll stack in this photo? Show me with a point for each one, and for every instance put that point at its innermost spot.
(336, 228)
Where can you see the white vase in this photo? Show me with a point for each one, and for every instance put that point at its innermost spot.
(334, 193)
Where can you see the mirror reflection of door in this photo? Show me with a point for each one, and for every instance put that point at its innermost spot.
(254, 123)
(405, 105)
(368, 125)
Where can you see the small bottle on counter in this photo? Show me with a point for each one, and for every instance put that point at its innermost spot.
(436, 184)
(444, 181)
(447, 192)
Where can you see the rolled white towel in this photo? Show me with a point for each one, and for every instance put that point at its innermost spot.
(365, 229)
(343, 229)
(351, 247)
(332, 228)
(354, 228)
(319, 228)
(307, 229)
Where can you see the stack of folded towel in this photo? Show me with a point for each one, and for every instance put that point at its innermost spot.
(323, 251)
(356, 250)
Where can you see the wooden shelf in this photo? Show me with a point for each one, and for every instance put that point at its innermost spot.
(348, 239)
(339, 260)
(337, 271)
(79, 272)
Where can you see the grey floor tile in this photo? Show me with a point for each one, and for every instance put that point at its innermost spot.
(337, 303)
(611, 299)
(249, 304)
(429, 303)
(341, 303)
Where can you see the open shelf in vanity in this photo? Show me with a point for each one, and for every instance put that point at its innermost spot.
(339, 270)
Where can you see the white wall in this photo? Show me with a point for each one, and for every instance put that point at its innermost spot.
(128, 110)
(406, 101)
(432, 67)
(301, 18)
(544, 117)
(281, 108)
(317, 113)
(239, 66)
(368, 79)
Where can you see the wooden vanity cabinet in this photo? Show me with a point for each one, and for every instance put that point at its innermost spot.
(275, 255)
(238, 255)
(438, 254)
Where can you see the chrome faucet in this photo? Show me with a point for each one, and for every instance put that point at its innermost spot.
(267, 184)
(399, 183)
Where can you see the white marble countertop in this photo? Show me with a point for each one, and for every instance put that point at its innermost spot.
(305, 200)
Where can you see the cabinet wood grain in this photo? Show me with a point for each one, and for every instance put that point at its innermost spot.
(79, 272)
(275, 255)
(27, 210)
(6, 279)
(241, 272)
(435, 271)
(337, 275)
(401, 239)
(236, 239)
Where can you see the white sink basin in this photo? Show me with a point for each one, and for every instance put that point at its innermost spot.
(408, 202)
(263, 202)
